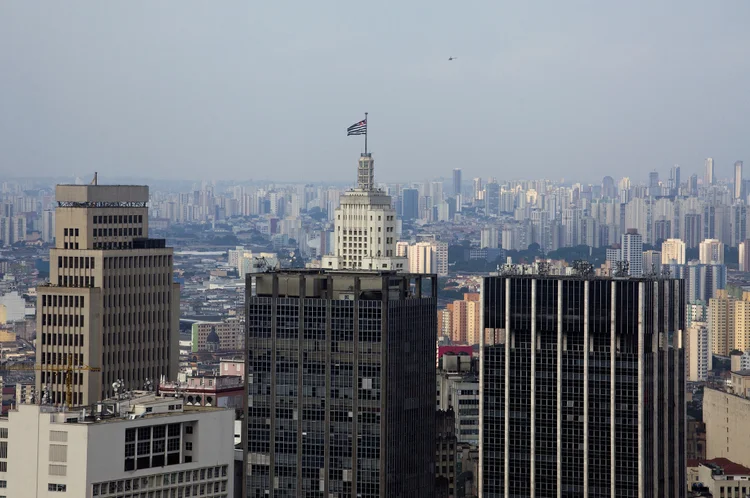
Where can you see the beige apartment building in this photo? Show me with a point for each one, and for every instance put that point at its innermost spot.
(466, 315)
(727, 417)
(721, 323)
(111, 302)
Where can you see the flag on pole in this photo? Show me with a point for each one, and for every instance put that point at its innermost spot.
(359, 128)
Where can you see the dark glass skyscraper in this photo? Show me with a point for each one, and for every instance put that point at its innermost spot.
(341, 384)
(410, 203)
(582, 387)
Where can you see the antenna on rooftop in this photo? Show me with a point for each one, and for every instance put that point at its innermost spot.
(95, 181)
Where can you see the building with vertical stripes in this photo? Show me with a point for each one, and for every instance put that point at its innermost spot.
(582, 387)
(111, 302)
(341, 384)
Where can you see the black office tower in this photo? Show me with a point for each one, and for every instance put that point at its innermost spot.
(582, 387)
(341, 384)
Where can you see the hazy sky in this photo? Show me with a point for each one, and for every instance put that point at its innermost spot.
(266, 89)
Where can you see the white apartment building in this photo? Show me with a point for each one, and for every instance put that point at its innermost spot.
(698, 352)
(673, 252)
(632, 252)
(426, 257)
(143, 447)
(711, 251)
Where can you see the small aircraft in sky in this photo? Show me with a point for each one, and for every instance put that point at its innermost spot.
(452, 58)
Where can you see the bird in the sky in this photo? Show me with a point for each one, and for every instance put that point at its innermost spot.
(452, 58)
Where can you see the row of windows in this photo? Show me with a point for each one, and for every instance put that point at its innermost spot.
(72, 232)
(71, 245)
(76, 262)
(127, 262)
(156, 481)
(61, 358)
(118, 218)
(76, 281)
(72, 301)
(118, 232)
(75, 340)
(55, 320)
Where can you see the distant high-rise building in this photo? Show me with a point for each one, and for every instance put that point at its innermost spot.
(692, 230)
(365, 217)
(48, 226)
(478, 190)
(632, 251)
(721, 323)
(710, 177)
(410, 203)
(704, 281)
(581, 396)
(609, 190)
(457, 181)
(698, 357)
(693, 184)
(428, 257)
(466, 319)
(744, 253)
(652, 262)
(674, 180)
(711, 251)
(489, 238)
(738, 185)
(673, 252)
(654, 189)
(112, 303)
(662, 230)
(492, 199)
(341, 382)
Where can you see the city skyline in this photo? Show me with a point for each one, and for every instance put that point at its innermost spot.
(75, 95)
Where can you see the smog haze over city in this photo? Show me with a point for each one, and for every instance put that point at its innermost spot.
(264, 90)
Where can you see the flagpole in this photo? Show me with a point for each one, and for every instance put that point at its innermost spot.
(365, 133)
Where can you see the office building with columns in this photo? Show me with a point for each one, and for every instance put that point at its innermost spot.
(582, 387)
(111, 302)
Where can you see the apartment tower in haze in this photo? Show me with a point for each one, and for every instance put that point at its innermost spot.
(710, 177)
(582, 387)
(457, 182)
(341, 384)
(111, 302)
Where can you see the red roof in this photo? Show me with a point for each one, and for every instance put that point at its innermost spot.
(729, 467)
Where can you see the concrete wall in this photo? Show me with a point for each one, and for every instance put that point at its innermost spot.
(727, 420)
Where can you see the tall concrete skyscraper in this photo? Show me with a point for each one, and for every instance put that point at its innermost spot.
(111, 302)
(710, 177)
(582, 387)
(632, 251)
(457, 181)
(738, 186)
(341, 384)
(365, 226)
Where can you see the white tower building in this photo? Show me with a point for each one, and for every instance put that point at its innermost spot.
(365, 227)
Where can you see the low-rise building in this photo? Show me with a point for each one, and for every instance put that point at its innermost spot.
(224, 391)
(218, 336)
(142, 446)
(722, 477)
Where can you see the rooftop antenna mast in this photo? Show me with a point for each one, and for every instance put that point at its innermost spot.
(95, 181)
(365, 133)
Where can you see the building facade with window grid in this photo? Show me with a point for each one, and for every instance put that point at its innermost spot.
(582, 387)
(143, 447)
(111, 302)
(341, 384)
